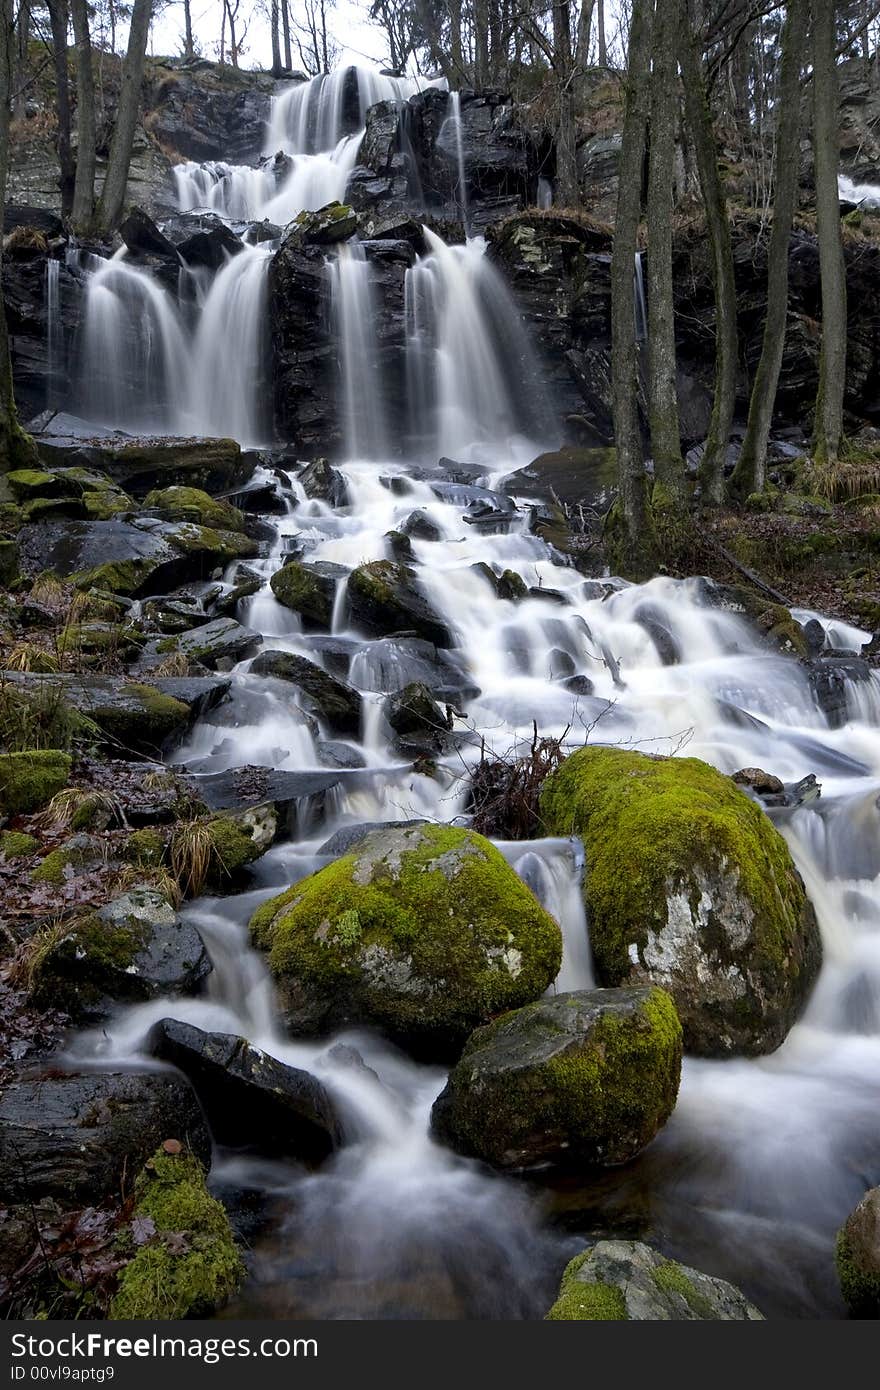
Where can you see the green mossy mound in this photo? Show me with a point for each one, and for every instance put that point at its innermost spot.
(189, 1266)
(858, 1257)
(29, 780)
(304, 592)
(586, 1078)
(691, 887)
(424, 931)
(192, 504)
(14, 844)
(626, 1281)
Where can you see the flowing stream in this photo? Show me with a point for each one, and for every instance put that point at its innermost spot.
(761, 1160)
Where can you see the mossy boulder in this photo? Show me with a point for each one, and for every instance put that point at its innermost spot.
(29, 780)
(773, 620)
(586, 1078)
(385, 597)
(691, 887)
(14, 844)
(423, 931)
(28, 483)
(332, 223)
(626, 1281)
(308, 590)
(858, 1257)
(81, 854)
(193, 504)
(190, 1265)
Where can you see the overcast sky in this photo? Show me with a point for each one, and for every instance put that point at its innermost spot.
(348, 20)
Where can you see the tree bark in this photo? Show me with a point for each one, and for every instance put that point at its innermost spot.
(828, 425)
(189, 50)
(602, 55)
(83, 213)
(566, 147)
(750, 471)
(285, 26)
(276, 39)
(662, 383)
(116, 179)
(58, 18)
(582, 51)
(699, 120)
(16, 448)
(634, 513)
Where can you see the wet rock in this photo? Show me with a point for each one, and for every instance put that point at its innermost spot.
(420, 526)
(221, 640)
(309, 590)
(395, 662)
(561, 665)
(651, 619)
(333, 753)
(332, 223)
(624, 1280)
(717, 913)
(570, 477)
(814, 635)
(173, 614)
(251, 1100)
(759, 780)
(324, 483)
(139, 465)
(385, 598)
(194, 504)
(858, 1257)
(343, 840)
(337, 704)
(211, 248)
(579, 685)
(771, 619)
(831, 681)
(142, 717)
(305, 368)
(205, 114)
(143, 238)
(134, 948)
(414, 710)
(574, 1079)
(294, 795)
(422, 932)
(76, 1135)
(400, 547)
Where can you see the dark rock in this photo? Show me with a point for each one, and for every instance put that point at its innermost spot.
(298, 797)
(814, 633)
(651, 619)
(579, 685)
(140, 465)
(830, 679)
(76, 1136)
(337, 704)
(251, 1100)
(385, 598)
(332, 753)
(143, 238)
(414, 710)
(858, 1257)
(210, 249)
(309, 590)
(757, 779)
(326, 484)
(419, 525)
(222, 639)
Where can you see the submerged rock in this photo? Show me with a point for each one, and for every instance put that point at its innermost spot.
(339, 705)
(858, 1257)
(74, 1135)
(624, 1280)
(424, 932)
(582, 1078)
(250, 1098)
(691, 887)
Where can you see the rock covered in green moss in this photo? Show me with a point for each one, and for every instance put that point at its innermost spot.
(691, 887)
(332, 223)
(81, 854)
(574, 1079)
(385, 597)
(308, 590)
(133, 948)
(14, 844)
(193, 504)
(626, 1281)
(858, 1257)
(189, 1265)
(28, 780)
(424, 931)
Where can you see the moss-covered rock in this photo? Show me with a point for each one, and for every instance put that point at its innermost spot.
(626, 1281)
(691, 887)
(9, 571)
(79, 855)
(385, 597)
(14, 844)
(28, 483)
(307, 591)
(192, 504)
(190, 1265)
(424, 931)
(858, 1257)
(582, 1078)
(29, 780)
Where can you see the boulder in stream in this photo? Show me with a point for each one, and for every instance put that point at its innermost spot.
(586, 1078)
(627, 1281)
(423, 931)
(338, 704)
(858, 1257)
(308, 590)
(691, 887)
(385, 598)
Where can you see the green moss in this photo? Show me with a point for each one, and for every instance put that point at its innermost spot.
(51, 508)
(83, 964)
(14, 844)
(33, 482)
(28, 780)
(191, 1266)
(860, 1287)
(231, 849)
(222, 546)
(146, 848)
(671, 1278)
(118, 576)
(105, 504)
(159, 714)
(582, 1302)
(303, 592)
(192, 504)
(441, 913)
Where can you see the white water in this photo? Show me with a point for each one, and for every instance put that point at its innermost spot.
(452, 125)
(354, 313)
(865, 194)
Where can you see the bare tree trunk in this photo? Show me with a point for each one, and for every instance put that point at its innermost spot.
(699, 119)
(636, 541)
(16, 448)
(662, 383)
(22, 67)
(83, 212)
(116, 179)
(276, 39)
(285, 25)
(750, 470)
(456, 53)
(828, 426)
(481, 43)
(582, 51)
(189, 49)
(58, 18)
(602, 55)
(566, 147)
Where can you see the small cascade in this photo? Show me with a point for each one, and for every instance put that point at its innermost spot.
(365, 427)
(545, 194)
(228, 358)
(452, 125)
(471, 370)
(54, 331)
(309, 117)
(866, 195)
(641, 301)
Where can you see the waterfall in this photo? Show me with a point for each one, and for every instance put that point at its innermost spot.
(471, 371)
(866, 195)
(310, 117)
(545, 194)
(366, 431)
(228, 360)
(641, 302)
(54, 331)
(453, 124)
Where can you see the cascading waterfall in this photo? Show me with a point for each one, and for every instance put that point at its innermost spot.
(366, 430)
(54, 330)
(866, 195)
(453, 124)
(308, 117)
